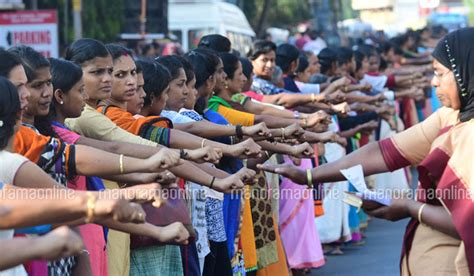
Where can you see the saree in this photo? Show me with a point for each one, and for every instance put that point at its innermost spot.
(442, 149)
(153, 128)
(94, 236)
(260, 201)
(233, 116)
(156, 129)
(232, 209)
(57, 159)
(297, 228)
(333, 226)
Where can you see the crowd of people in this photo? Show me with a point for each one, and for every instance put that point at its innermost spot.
(224, 163)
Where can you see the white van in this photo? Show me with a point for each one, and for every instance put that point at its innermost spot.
(189, 20)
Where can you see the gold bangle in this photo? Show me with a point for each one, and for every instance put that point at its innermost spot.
(420, 212)
(121, 163)
(202, 142)
(312, 97)
(309, 178)
(305, 123)
(283, 133)
(91, 199)
(267, 154)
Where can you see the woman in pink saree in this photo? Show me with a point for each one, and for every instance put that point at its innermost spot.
(297, 228)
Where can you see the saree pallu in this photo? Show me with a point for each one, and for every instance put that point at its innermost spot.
(297, 228)
(247, 237)
(57, 159)
(279, 268)
(264, 227)
(153, 128)
(233, 116)
(94, 236)
(445, 179)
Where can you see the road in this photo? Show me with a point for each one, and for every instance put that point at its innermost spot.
(379, 256)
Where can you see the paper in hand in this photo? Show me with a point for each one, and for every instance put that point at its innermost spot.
(355, 175)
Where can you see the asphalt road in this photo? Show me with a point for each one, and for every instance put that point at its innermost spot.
(379, 256)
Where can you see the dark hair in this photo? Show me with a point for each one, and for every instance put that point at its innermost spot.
(359, 58)
(398, 51)
(344, 55)
(400, 40)
(247, 67)
(85, 49)
(9, 61)
(313, 34)
(30, 59)
(139, 67)
(303, 64)
(327, 57)
(172, 63)
(64, 75)
(117, 51)
(367, 50)
(9, 111)
(205, 64)
(216, 42)
(384, 47)
(261, 47)
(188, 69)
(231, 63)
(285, 55)
(156, 77)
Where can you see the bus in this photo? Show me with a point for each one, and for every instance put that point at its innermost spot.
(190, 20)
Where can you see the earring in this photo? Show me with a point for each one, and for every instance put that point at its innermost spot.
(226, 86)
(61, 102)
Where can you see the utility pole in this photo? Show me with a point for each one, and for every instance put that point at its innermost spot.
(77, 20)
(66, 21)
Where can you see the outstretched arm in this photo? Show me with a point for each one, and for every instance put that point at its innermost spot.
(369, 156)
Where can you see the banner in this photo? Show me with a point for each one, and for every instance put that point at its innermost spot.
(37, 29)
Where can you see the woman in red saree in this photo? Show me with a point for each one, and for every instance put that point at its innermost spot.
(439, 238)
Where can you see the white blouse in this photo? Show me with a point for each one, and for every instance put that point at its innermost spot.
(9, 165)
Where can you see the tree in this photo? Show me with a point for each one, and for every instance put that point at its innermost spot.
(275, 13)
(100, 19)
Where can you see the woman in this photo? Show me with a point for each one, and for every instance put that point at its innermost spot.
(263, 58)
(97, 66)
(177, 99)
(220, 102)
(115, 109)
(303, 74)
(438, 238)
(41, 93)
(236, 73)
(67, 102)
(18, 166)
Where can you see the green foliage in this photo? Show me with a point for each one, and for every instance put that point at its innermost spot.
(283, 13)
(101, 19)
